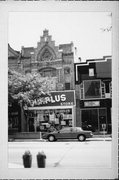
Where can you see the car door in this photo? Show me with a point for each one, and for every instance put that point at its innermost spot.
(73, 133)
(64, 133)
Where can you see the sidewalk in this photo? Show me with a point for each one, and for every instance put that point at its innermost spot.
(91, 153)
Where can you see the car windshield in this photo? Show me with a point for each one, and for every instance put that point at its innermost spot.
(71, 129)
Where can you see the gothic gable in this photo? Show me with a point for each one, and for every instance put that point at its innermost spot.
(46, 49)
(46, 54)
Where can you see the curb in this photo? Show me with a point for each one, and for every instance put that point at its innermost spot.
(43, 140)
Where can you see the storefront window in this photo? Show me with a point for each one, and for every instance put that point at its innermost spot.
(13, 124)
(92, 119)
(49, 120)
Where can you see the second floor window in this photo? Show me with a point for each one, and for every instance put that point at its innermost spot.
(67, 86)
(48, 73)
(92, 89)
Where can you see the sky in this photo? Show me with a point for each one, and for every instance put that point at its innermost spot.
(84, 29)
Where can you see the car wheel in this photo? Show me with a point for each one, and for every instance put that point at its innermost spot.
(81, 137)
(51, 138)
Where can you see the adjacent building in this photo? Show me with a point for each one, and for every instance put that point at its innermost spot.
(93, 81)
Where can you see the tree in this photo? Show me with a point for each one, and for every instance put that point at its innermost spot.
(25, 88)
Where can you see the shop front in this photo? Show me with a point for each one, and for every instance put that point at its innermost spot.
(52, 111)
(95, 115)
(14, 118)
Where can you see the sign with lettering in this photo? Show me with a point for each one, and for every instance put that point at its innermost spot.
(56, 98)
(91, 103)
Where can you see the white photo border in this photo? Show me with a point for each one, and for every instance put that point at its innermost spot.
(79, 173)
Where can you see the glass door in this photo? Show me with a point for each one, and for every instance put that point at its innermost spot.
(90, 119)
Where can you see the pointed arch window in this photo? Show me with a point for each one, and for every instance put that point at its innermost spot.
(46, 55)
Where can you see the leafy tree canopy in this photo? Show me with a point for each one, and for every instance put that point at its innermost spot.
(25, 88)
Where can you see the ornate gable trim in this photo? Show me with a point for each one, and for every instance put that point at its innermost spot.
(46, 54)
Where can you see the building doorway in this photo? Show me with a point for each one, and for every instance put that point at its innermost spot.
(92, 119)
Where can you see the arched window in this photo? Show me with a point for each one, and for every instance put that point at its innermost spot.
(48, 72)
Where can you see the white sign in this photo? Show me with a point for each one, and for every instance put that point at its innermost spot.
(103, 126)
(91, 72)
(107, 95)
(91, 103)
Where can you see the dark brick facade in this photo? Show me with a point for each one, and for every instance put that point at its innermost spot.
(94, 110)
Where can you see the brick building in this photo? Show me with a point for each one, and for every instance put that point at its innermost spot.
(47, 59)
(54, 61)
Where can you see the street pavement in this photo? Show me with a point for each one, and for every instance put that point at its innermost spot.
(95, 152)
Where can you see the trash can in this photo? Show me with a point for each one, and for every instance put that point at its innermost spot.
(41, 160)
(27, 159)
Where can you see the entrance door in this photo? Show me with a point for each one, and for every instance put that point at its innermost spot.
(90, 119)
(102, 119)
(31, 124)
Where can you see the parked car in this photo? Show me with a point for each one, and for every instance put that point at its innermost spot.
(68, 133)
